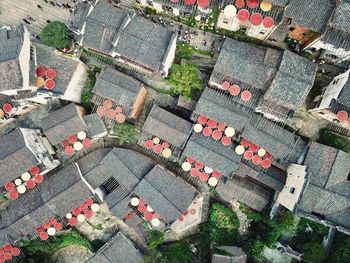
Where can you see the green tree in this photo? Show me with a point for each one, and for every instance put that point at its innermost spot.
(185, 80)
(56, 35)
(313, 253)
(286, 220)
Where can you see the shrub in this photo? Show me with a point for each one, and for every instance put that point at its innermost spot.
(313, 252)
(125, 133)
(56, 35)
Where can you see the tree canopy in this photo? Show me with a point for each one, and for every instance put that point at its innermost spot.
(56, 35)
(313, 252)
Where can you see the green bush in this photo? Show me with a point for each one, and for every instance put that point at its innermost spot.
(331, 139)
(314, 253)
(185, 79)
(125, 133)
(316, 236)
(340, 250)
(86, 94)
(56, 35)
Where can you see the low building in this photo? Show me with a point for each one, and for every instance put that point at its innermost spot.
(334, 102)
(119, 247)
(281, 82)
(117, 89)
(254, 19)
(171, 130)
(110, 31)
(326, 197)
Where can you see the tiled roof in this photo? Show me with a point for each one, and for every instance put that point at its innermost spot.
(304, 13)
(341, 17)
(117, 86)
(15, 157)
(62, 123)
(95, 125)
(212, 154)
(167, 126)
(327, 193)
(119, 248)
(279, 2)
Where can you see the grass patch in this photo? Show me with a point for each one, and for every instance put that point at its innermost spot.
(87, 94)
(41, 251)
(331, 139)
(185, 51)
(340, 250)
(125, 133)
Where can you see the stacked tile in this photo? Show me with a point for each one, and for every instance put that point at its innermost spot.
(48, 229)
(107, 110)
(145, 210)
(85, 210)
(7, 253)
(76, 142)
(255, 18)
(158, 146)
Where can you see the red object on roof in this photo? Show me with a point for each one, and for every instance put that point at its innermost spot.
(253, 147)
(51, 73)
(216, 174)
(206, 131)
(226, 141)
(149, 144)
(156, 215)
(16, 251)
(8, 247)
(174, 1)
(342, 115)
(69, 150)
(181, 218)
(49, 84)
(158, 148)
(108, 104)
(44, 235)
(40, 229)
(7, 256)
(199, 165)
(1, 251)
(38, 179)
(256, 159)
(47, 225)
(9, 186)
(7, 107)
(193, 211)
(53, 221)
(89, 201)
(203, 3)
(203, 177)
(202, 119)
(119, 109)
(246, 95)
(13, 195)
(148, 216)
(268, 155)
(268, 22)
(240, 4)
(190, 2)
(216, 135)
(212, 123)
(76, 211)
(88, 213)
(195, 172)
(248, 155)
(2, 259)
(142, 208)
(221, 126)
(225, 85)
(245, 143)
(83, 207)
(73, 138)
(252, 3)
(40, 71)
(58, 227)
(243, 15)
(189, 159)
(142, 201)
(111, 113)
(87, 142)
(235, 90)
(256, 19)
(73, 221)
(101, 111)
(165, 145)
(35, 170)
(31, 184)
(266, 164)
(185, 213)
(65, 143)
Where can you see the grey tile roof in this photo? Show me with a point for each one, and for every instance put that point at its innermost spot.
(341, 16)
(279, 2)
(245, 191)
(292, 82)
(91, 160)
(11, 42)
(65, 67)
(15, 157)
(102, 26)
(118, 249)
(228, 259)
(344, 96)
(117, 86)
(212, 154)
(150, 42)
(337, 38)
(303, 13)
(247, 64)
(94, 125)
(327, 192)
(78, 17)
(167, 126)
(62, 123)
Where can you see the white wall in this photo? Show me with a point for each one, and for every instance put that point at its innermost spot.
(24, 58)
(169, 60)
(341, 53)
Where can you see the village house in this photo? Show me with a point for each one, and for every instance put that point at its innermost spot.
(334, 103)
(109, 30)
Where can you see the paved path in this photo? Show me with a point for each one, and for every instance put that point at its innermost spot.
(12, 12)
(243, 220)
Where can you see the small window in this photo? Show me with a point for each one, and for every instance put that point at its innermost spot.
(292, 190)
